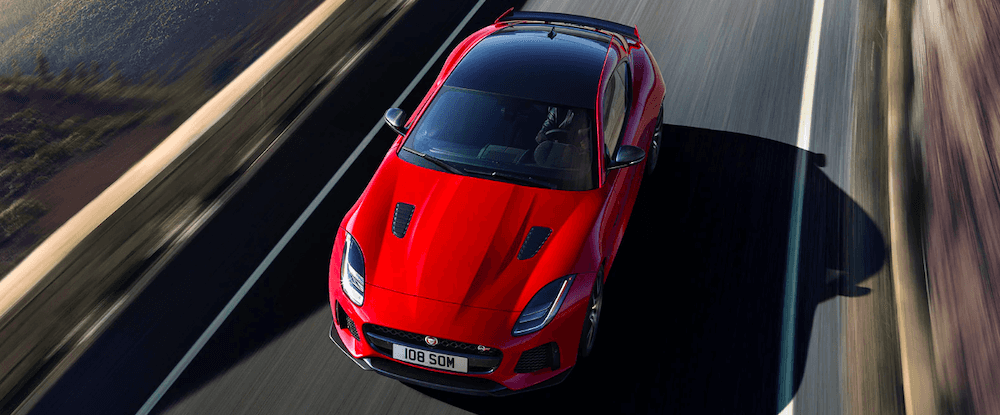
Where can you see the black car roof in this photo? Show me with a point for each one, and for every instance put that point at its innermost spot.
(526, 61)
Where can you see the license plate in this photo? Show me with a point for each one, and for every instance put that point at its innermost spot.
(430, 359)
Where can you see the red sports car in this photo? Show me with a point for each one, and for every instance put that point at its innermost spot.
(474, 261)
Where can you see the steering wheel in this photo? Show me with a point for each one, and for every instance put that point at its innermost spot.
(558, 135)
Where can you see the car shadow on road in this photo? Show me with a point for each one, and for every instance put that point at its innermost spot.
(693, 315)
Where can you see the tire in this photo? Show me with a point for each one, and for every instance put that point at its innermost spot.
(655, 145)
(592, 318)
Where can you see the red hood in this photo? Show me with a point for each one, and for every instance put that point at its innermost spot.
(463, 239)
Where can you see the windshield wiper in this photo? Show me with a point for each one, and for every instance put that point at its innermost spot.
(513, 177)
(436, 161)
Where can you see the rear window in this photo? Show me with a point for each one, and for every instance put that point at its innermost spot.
(481, 133)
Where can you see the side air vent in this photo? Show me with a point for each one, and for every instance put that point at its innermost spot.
(538, 358)
(401, 219)
(533, 242)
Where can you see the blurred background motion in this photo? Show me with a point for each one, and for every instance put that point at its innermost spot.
(956, 159)
(88, 88)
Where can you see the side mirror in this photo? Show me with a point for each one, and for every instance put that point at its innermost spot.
(627, 156)
(395, 118)
(818, 158)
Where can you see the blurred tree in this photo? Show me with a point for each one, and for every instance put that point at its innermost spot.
(116, 77)
(15, 68)
(65, 76)
(151, 78)
(42, 67)
(81, 73)
(95, 72)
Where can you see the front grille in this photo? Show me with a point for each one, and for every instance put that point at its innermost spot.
(443, 344)
(538, 358)
(345, 322)
(479, 361)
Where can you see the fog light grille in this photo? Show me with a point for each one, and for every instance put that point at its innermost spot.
(538, 358)
(345, 322)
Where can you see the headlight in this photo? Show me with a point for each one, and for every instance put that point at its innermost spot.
(543, 306)
(352, 270)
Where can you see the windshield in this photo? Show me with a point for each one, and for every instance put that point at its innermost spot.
(505, 138)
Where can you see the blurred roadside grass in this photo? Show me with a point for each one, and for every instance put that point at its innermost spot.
(50, 121)
(54, 120)
(47, 123)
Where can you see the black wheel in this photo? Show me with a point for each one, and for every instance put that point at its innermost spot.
(592, 318)
(654, 146)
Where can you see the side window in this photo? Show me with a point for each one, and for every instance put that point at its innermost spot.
(614, 107)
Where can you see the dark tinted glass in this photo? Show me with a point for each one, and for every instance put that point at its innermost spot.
(524, 61)
(614, 108)
(521, 140)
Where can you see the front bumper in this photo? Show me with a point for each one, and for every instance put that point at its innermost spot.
(395, 310)
(467, 385)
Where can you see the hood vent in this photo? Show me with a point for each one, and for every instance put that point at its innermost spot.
(533, 242)
(401, 219)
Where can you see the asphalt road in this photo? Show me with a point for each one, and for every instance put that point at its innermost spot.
(696, 300)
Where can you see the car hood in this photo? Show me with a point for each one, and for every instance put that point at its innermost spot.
(462, 242)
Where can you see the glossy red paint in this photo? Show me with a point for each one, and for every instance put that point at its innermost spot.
(455, 276)
(464, 235)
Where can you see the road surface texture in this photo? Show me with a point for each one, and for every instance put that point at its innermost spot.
(753, 277)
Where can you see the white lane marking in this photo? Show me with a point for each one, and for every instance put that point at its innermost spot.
(219, 319)
(787, 364)
(809, 83)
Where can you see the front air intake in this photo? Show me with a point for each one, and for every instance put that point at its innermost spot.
(533, 242)
(345, 322)
(538, 358)
(401, 219)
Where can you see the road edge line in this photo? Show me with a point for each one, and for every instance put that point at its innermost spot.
(175, 373)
